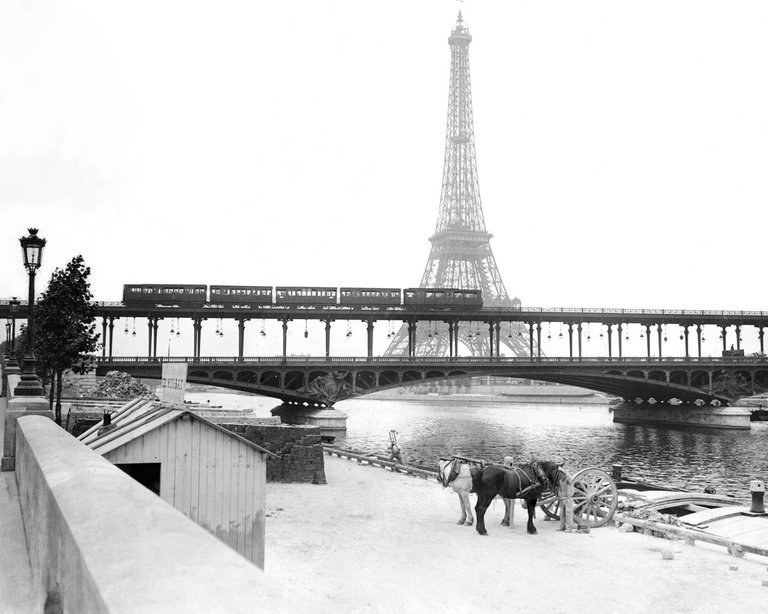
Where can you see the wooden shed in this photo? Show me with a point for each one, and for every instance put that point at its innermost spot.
(210, 474)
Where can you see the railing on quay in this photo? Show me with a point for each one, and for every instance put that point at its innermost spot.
(424, 361)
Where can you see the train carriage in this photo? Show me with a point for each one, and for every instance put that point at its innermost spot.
(442, 298)
(302, 295)
(165, 294)
(372, 297)
(241, 295)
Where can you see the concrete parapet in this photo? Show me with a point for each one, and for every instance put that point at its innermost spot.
(16, 408)
(100, 542)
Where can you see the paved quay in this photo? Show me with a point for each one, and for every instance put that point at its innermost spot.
(16, 595)
(373, 541)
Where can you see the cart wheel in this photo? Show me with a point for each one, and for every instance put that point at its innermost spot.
(550, 505)
(595, 497)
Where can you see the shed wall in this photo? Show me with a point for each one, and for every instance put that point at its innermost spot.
(215, 479)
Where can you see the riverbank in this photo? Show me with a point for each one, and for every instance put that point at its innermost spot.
(374, 541)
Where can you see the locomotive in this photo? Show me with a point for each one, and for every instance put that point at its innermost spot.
(198, 295)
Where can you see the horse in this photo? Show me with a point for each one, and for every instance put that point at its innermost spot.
(461, 484)
(523, 482)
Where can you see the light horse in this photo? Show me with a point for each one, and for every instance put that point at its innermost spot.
(461, 484)
(523, 482)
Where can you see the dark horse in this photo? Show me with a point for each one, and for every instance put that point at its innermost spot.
(522, 482)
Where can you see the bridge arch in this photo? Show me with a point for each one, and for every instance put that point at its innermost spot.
(293, 380)
(225, 375)
(365, 380)
(271, 378)
(659, 376)
(248, 377)
(389, 378)
(678, 377)
(700, 379)
(760, 380)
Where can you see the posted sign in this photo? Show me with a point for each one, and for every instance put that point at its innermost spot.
(174, 383)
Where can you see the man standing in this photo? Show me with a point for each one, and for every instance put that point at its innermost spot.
(394, 449)
(565, 496)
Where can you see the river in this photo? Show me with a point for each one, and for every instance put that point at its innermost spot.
(578, 435)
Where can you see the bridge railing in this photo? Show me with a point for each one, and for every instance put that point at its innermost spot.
(421, 360)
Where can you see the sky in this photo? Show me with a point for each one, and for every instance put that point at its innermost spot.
(621, 146)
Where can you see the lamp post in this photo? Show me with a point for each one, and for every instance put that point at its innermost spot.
(32, 250)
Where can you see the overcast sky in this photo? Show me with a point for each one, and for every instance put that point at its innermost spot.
(621, 146)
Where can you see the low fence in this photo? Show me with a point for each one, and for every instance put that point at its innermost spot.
(375, 461)
(100, 542)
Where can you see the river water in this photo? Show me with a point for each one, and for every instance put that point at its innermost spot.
(578, 435)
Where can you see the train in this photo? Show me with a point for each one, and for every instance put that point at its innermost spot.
(200, 295)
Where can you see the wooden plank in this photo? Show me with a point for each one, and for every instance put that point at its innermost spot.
(378, 462)
(166, 466)
(178, 474)
(218, 486)
(692, 534)
(194, 470)
(203, 470)
(226, 485)
(234, 477)
(260, 508)
(249, 510)
(242, 492)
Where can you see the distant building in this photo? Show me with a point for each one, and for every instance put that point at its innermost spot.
(210, 474)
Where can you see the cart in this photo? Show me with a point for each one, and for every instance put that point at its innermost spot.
(595, 498)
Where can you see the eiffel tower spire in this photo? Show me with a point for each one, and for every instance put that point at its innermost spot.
(461, 255)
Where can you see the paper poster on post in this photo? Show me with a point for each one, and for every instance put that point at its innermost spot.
(174, 383)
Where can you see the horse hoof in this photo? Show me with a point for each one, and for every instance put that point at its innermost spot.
(460, 521)
(468, 523)
(532, 532)
(504, 523)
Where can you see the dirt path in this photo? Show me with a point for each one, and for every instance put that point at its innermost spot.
(373, 541)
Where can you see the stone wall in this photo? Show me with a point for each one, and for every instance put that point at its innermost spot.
(298, 445)
(100, 542)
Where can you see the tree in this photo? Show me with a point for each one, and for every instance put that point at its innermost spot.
(117, 385)
(65, 325)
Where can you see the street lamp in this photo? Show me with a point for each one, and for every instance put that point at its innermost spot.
(32, 250)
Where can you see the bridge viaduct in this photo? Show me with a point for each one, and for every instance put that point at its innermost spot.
(652, 324)
(690, 378)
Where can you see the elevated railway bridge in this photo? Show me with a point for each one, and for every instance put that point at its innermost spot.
(572, 322)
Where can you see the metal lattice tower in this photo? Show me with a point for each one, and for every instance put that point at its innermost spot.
(461, 255)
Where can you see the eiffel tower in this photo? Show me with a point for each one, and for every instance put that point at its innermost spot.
(461, 255)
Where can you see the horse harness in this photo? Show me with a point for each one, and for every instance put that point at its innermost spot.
(456, 463)
(539, 481)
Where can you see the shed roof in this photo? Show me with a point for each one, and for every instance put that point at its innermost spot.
(140, 416)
